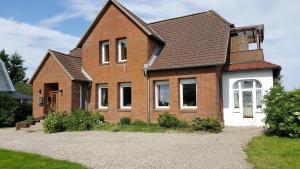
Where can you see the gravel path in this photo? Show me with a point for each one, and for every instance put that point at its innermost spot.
(138, 150)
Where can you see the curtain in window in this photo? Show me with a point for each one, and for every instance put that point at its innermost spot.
(258, 98)
(236, 99)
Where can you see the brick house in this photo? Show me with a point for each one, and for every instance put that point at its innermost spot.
(194, 65)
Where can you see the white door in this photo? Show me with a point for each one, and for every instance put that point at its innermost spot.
(247, 104)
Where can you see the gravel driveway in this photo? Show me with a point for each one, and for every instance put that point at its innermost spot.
(138, 150)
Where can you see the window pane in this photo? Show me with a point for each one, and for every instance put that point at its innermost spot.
(189, 94)
(259, 98)
(236, 99)
(104, 97)
(163, 95)
(258, 84)
(236, 85)
(247, 84)
(126, 96)
(123, 49)
(106, 53)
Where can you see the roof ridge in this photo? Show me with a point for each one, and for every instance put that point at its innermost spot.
(193, 14)
(64, 54)
(178, 17)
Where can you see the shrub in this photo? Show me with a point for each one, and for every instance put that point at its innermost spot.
(7, 110)
(282, 110)
(183, 124)
(54, 123)
(139, 123)
(125, 121)
(97, 118)
(167, 120)
(24, 110)
(81, 120)
(206, 124)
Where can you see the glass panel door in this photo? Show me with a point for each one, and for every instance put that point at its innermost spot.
(247, 104)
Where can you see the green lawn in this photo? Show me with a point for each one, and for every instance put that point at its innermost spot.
(19, 160)
(272, 152)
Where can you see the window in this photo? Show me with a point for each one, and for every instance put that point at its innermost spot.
(125, 95)
(105, 52)
(162, 94)
(188, 93)
(122, 50)
(103, 96)
(253, 86)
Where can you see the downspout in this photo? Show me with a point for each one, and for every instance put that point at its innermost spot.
(146, 67)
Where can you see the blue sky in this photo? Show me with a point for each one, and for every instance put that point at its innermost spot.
(31, 27)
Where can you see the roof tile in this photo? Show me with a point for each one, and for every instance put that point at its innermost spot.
(194, 40)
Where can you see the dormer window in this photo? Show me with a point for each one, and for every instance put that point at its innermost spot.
(105, 52)
(122, 50)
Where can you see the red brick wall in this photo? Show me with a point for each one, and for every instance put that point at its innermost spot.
(208, 102)
(51, 72)
(113, 25)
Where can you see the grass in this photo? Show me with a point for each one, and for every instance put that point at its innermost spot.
(153, 128)
(272, 152)
(19, 160)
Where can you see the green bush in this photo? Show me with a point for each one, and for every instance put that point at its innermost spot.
(139, 123)
(167, 120)
(206, 124)
(81, 120)
(24, 110)
(125, 121)
(54, 123)
(282, 110)
(7, 110)
(183, 124)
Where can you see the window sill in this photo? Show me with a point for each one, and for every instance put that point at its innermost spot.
(103, 109)
(122, 62)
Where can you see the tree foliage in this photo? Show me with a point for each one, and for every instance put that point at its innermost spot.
(15, 66)
(283, 111)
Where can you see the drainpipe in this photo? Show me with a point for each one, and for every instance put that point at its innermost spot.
(148, 94)
(148, 100)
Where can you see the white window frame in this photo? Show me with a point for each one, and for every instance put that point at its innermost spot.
(103, 44)
(157, 84)
(122, 85)
(183, 82)
(253, 90)
(102, 86)
(119, 50)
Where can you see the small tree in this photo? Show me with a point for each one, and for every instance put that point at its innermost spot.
(15, 66)
(7, 110)
(282, 109)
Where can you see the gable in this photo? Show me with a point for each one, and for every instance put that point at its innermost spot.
(49, 69)
(144, 27)
(70, 66)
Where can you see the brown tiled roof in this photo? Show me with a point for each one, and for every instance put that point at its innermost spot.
(192, 41)
(77, 52)
(71, 64)
(257, 65)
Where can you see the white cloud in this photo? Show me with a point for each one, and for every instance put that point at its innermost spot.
(32, 42)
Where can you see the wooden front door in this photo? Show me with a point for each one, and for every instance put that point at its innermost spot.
(52, 101)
